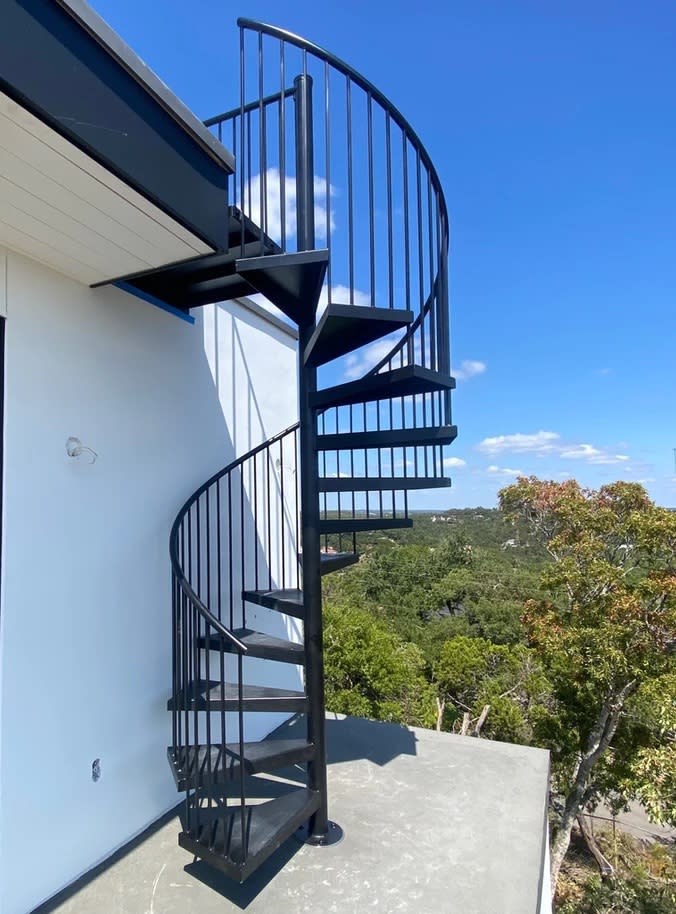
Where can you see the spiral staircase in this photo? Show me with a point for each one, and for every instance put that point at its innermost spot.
(339, 220)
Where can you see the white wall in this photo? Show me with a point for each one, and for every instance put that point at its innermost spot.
(546, 896)
(85, 624)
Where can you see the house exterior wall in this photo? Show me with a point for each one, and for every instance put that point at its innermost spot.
(85, 629)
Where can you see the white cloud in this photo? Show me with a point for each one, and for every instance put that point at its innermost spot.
(451, 462)
(468, 368)
(504, 471)
(542, 444)
(591, 454)
(340, 295)
(273, 205)
(359, 362)
(537, 443)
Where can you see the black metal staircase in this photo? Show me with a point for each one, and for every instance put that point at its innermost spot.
(249, 547)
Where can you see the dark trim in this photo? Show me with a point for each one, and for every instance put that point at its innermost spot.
(78, 88)
(111, 42)
(145, 296)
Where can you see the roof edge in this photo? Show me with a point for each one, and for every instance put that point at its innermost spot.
(108, 38)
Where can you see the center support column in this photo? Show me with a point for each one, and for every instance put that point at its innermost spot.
(320, 830)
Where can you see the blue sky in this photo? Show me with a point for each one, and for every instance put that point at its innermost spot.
(552, 128)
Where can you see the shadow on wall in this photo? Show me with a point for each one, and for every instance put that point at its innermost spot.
(349, 739)
(247, 522)
(137, 386)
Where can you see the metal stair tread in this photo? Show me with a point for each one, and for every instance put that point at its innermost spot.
(258, 644)
(362, 524)
(400, 382)
(217, 696)
(344, 328)
(267, 825)
(395, 437)
(199, 765)
(334, 561)
(288, 601)
(292, 282)
(381, 483)
(209, 277)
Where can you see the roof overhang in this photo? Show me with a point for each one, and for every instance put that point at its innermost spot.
(103, 172)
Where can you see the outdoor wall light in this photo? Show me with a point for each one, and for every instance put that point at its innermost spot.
(75, 448)
(279, 466)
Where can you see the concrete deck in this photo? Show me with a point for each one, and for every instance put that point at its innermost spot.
(433, 823)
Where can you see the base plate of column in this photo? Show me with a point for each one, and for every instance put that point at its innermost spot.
(334, 835)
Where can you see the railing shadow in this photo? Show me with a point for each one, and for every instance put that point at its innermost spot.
(348, 739)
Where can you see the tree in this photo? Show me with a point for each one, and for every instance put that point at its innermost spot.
(605, 632)
(490, 685)
(371, 672)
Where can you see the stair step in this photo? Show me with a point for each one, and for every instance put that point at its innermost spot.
(258, 645)
(381, 483)
(210, 277)
(267, 825)
(223, 288)
(252, 232)
(343, 328)
(217, 696)
(397, 437)
(361, 524)
(292, 282)
(401, 382)
(289, 601)
(196, 766)
(334, 561)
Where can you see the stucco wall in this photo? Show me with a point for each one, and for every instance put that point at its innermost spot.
(85, 624)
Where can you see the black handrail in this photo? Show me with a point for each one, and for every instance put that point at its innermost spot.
(363, 141)
(239, 531)
(176, 568)
(283, 35)
(221, 545)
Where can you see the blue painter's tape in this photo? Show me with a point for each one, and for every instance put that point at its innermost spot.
(145, 296)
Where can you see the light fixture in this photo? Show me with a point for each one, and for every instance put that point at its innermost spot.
(75, 448)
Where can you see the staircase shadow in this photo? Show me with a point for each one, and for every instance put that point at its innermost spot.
(348, 739)
(242, 895)
(352, 738)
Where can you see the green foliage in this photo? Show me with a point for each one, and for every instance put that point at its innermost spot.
(558, 611)
(429, 592)
(370, 672)
(634, 895)
(434, 585)
(605, 633)
(644, 881)
(472, 673)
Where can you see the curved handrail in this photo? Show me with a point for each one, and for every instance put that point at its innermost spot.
(355, 133)
(339, 64)
(176, 568)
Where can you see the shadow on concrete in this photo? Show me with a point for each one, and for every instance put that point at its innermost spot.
(348, 739)
(135, 844)
(242, 895)
(352, 738)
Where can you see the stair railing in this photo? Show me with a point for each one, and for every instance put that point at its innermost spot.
(379, 205)
(239, 531)
(379, 208)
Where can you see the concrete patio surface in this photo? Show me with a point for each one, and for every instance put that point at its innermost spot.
(433, 823)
